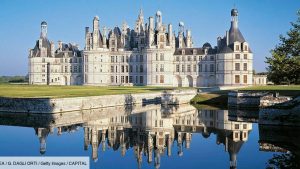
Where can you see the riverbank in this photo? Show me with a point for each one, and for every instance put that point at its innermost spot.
(219, 98)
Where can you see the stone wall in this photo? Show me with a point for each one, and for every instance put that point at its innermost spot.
(254, 99)
(55, 105)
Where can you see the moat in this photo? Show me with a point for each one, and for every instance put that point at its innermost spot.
(152, 136)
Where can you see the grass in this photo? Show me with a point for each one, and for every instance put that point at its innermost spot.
(34, 91)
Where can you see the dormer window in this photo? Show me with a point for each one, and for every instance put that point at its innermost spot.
(237, 47)
(194, 51)
(246, 48)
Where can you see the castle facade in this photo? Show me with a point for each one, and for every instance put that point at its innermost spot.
(151, 54)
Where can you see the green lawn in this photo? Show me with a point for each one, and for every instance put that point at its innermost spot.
(33, 91)
(292, 90)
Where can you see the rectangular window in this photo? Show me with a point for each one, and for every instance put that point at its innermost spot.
(177, 58)
(212, 58)
(237, 66)
(244, 126)
(162, 69)
(245, 56)
(189, 58)
(245, 79)
(122, 69)
(245, 67)
(130, 79)
(162, 57)
(141, 79)
(127, 68)
(237, 47)
(162, 78)
(111, 79)
(141, 68)
(237, 56)
(122, 79)
(177, 68)
(141, 58)
(211, 68)
(195, 58)
(237, 126)
(188, 68)
(183, 68)
(123, 59)
(237, 78)
(136, 58)
(200, 68)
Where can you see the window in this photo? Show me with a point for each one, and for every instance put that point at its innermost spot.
(127, 68)
(244, 126)
(122, 69)
(177, 58)
(237, 126)
(116, 68)
(237, 78)
(236, 135)
(177, 68)
(141, 68)
(245, 66)
(246, 47)
(162, 69)
(195, 58)
(136, 68)
(183, 68)
(245, 79)
(123, 59)
(156, 68)
(141, 58)
(237, 47)
(245, 56)
(189, 58)
(211, 68)
(130, 79)
(162, 57)
(122, 79)
(130, 68)
(237, 66)
(141, 79)
(237, 56)
(205, 68)
(188, 68)
(200, 67)
(111, 79)
(136, 58)
(212, 58)
(157, 56)
(162, 79)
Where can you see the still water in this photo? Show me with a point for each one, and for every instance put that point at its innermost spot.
(151, 136)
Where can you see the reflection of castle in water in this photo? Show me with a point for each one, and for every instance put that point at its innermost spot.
(150, 130)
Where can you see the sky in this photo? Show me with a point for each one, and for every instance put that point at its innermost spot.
(260, 21)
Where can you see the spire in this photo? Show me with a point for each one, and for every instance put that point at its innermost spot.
(141, 14)
(234, 18)
(43, 29)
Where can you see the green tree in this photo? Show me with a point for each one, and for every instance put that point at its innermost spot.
(284, 64)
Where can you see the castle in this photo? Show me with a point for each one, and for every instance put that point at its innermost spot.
(151, 54)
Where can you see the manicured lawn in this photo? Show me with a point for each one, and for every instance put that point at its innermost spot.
(33, 91)
(292, 90)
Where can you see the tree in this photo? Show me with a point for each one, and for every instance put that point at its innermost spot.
(284, 64)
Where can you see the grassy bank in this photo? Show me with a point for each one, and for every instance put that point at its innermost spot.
(33, 91)
(219, 98)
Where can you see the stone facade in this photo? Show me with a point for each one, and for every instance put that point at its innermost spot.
(151, 54)
(260, 80)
